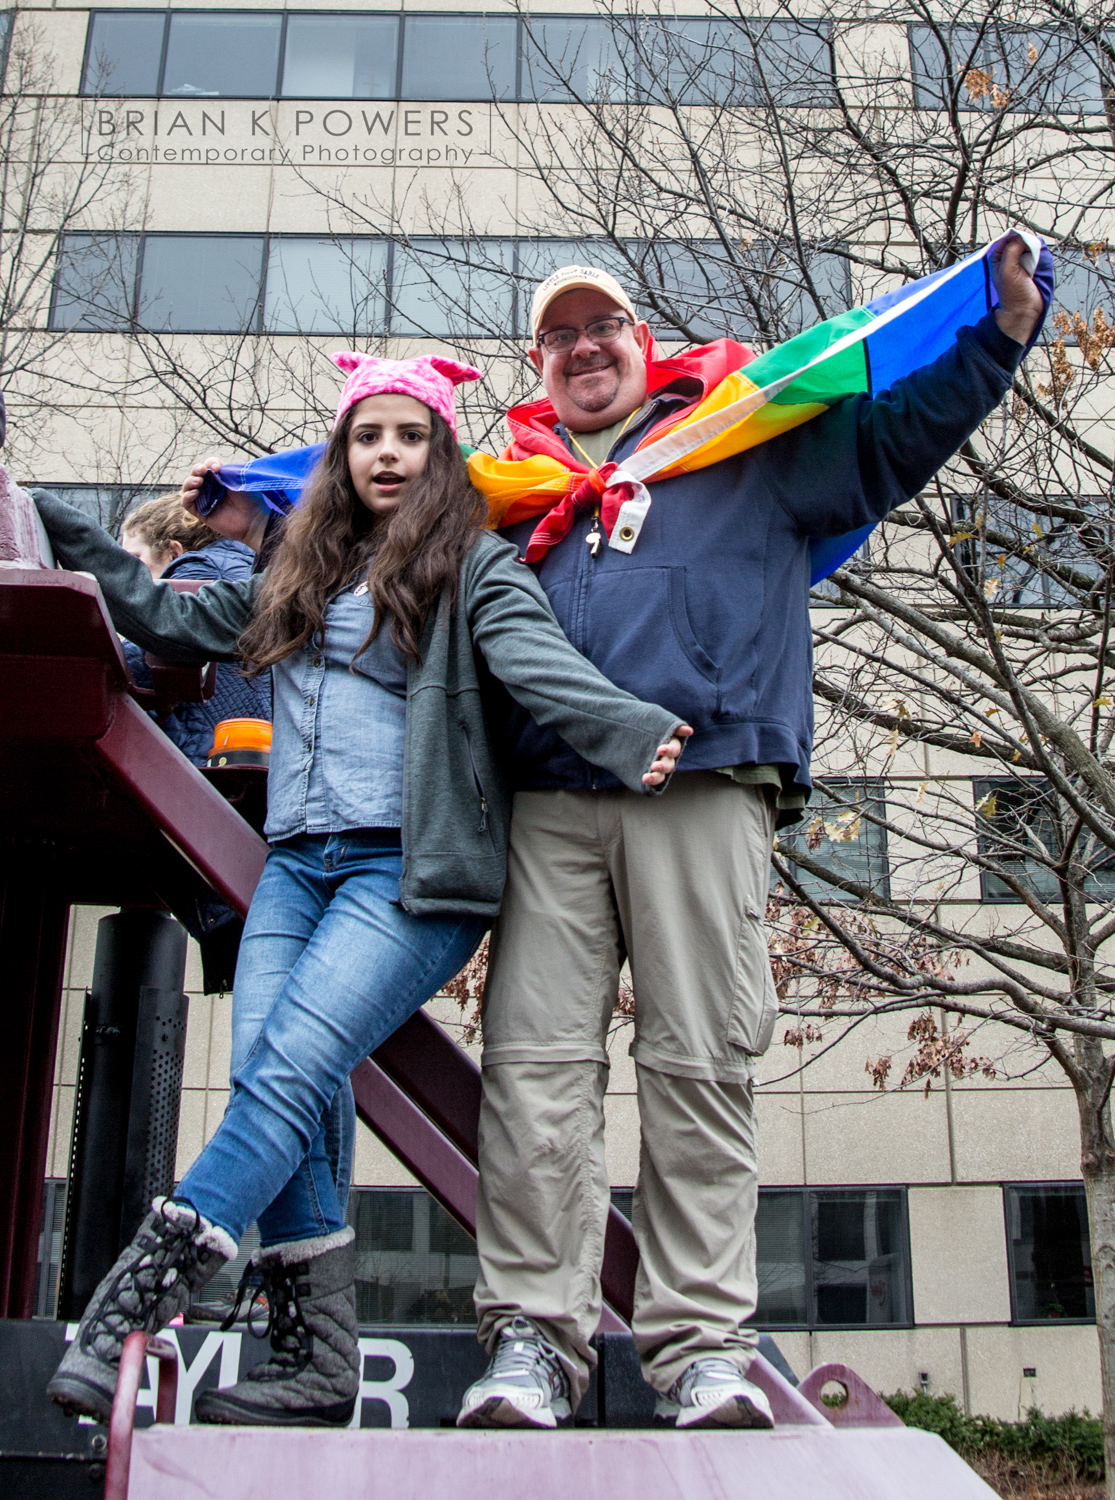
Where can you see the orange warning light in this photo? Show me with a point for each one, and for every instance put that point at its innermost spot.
(241, 742)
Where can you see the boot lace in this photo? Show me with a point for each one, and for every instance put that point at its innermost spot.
(276, 1288)
(165, 1254)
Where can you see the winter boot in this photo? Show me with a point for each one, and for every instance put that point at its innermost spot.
(174, 1253)
(313, 1374)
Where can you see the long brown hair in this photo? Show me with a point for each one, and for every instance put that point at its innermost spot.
(412, 557)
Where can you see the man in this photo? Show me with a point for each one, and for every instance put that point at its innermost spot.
(676, 884)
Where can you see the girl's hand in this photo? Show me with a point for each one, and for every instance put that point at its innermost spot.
(667, 757)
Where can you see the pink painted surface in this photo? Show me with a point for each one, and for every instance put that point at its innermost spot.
(791, 1463)
(863, 1407)
(20, 529)
(788, 1407)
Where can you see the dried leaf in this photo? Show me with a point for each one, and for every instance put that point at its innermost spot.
(977, 739)
(991, 588)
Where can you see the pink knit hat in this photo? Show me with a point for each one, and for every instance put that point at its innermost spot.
(429, 379)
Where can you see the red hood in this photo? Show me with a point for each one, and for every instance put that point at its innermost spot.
(694, 374)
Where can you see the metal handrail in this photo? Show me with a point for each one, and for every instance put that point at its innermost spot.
(137, 1346)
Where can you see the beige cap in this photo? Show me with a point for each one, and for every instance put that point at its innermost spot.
(565, 280)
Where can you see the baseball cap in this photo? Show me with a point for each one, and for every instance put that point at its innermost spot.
(566, 279)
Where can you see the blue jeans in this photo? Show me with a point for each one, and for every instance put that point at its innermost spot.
(329, 966)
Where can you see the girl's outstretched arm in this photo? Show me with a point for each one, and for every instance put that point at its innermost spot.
(177, 627)
(519, 637)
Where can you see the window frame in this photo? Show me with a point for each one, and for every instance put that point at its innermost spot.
(925, 85)
(1015, 1320)
(641, 92)
(813, 1324)
(875, 793)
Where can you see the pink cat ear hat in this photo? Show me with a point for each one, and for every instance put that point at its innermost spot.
(430, 379)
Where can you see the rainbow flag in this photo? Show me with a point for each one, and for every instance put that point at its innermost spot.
(864, 350)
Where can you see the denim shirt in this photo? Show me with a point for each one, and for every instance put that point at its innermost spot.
(337, 750)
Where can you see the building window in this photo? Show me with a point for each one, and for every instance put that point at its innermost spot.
(421, 288)
(1031, 69)
(222, 54)
(340, 57)
(94, 285)
(447, 288)
(51, 1227)
(833, 1257)
(1036, 558)
(577, 57)
(414, 1262)
(839, 832)
(828, 1257)
(1049, 1252)
(207, 283)
(325, 286)
(460, 57)
(107, 504)
(1085, 283)
(249, 55)
(1018, 825)
(123, 54)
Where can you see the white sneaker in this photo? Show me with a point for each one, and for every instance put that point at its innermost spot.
(523, 1386)
(712, 1393)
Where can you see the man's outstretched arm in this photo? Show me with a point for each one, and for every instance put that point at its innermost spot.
(853, 465)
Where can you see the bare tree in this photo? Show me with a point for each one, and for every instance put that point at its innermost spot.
(50, 186)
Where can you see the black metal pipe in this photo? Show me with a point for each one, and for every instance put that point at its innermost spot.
(125, 1129)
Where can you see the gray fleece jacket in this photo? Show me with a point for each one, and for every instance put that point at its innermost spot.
(456, 805)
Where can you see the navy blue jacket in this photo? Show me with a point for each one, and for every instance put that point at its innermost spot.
(191, 725)
(709, 615)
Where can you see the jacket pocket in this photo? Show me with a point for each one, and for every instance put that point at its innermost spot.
(482, 825)
(638, 633)
(755, 1003)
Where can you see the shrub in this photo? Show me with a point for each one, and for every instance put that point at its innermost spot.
(1068, 1447)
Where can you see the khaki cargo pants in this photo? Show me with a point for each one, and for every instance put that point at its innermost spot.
(678, 885)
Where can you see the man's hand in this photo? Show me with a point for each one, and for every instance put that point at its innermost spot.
(1020, 304)
(667, 757)
(191, 486)
(238, 517)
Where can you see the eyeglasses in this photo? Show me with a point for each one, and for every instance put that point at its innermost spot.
(599, 331)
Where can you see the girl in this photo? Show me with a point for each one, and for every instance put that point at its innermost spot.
(383, 609)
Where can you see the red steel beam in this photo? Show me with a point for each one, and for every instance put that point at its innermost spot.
(33, 922)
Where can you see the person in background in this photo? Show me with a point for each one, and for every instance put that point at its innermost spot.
(239, 517)
(173, 544)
